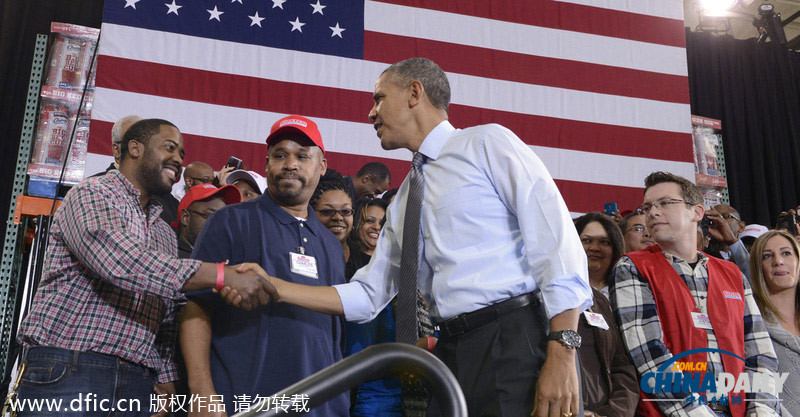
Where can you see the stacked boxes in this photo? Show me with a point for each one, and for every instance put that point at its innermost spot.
(71, 52)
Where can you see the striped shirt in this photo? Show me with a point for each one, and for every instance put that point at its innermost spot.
(112, 280)
(635, 311)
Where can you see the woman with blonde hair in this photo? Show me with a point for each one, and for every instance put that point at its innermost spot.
(774, 270)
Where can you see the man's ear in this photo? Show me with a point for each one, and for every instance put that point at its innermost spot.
(699, 212)
(184, 218)
(416, 92)
(366, 179)
(323, 165)
(135, 149)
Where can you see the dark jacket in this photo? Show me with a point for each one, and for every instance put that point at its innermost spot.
(619, 386)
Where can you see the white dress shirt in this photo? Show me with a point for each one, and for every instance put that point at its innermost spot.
(494, 227)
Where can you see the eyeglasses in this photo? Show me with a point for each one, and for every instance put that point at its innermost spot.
(645, 208)
(332, 212)
(638, 228)
(730, 216)
(203, 215)
(204, 180)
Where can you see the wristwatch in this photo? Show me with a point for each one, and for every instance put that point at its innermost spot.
(569, 338)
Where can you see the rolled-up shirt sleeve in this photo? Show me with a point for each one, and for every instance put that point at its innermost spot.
(552, 247)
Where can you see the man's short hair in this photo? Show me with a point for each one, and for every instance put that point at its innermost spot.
(378, 171)
(689, 191)
(623, 225)
(142, 131)
(116, 130)
(433, 79)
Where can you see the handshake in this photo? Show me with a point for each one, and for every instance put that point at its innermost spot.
(246, 285)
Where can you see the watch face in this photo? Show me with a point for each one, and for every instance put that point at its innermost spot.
(571, 338)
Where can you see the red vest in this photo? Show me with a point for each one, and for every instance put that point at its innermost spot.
(675, 304)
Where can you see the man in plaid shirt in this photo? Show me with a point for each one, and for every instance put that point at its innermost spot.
(669, 298)
(103, 320)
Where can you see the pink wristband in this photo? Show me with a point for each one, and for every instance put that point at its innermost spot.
(220, 276)
(431, 343)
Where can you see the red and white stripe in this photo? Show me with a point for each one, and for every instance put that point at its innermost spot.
(600, 93)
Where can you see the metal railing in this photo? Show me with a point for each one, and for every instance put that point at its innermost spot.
(374, 362)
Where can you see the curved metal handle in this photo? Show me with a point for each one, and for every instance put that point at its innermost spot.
(374, 362)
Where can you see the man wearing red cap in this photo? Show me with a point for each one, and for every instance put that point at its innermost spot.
(243, 357)
(200, 202)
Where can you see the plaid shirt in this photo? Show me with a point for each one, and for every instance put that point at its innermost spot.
(112, 281)
(635, 311)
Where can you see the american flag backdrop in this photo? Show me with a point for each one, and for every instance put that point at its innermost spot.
(598, 88)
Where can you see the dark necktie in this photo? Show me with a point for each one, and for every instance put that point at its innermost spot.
(406, 305)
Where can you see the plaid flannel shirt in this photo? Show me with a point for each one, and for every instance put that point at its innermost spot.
(635, 311)
(112, 280)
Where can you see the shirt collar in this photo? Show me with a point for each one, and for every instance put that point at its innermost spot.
(284, 217)
(117, 178)
(433, 143)
(674, 259)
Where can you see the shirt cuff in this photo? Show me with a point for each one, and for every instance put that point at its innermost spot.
(188, 268)
(566, 293)
(168, 373)
(355, 302)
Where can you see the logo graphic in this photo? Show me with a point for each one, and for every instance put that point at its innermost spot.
(293, 122)
(695, 383)
(733, 295)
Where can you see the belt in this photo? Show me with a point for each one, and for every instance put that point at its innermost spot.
(465, 322)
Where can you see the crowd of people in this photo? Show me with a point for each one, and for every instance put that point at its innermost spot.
(237, 285)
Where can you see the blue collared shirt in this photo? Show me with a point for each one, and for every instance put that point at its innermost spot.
(263, 351)
(494, 227)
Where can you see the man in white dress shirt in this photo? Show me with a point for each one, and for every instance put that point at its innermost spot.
(496, 237)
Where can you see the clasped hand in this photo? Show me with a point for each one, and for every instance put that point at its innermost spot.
(247, 286)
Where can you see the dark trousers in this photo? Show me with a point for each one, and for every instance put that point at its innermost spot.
(498, 364)
(83, 384)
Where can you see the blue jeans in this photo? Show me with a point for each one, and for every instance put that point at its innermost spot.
(61, 382)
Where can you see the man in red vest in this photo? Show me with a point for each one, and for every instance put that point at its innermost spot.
(670, 298)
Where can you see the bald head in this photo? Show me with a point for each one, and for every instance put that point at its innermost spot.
(118, 132)
(197, 173)
(732, 216)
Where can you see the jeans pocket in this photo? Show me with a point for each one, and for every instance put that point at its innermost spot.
(44, 371)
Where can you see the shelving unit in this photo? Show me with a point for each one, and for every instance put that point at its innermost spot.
(11, 267)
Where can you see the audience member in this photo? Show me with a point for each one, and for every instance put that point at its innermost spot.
(169, 205)
(371, 181)
(774, 274)
(724, 227)
(602, 241)
(117, 133)
(380, 397)
(229, 352)
(103, 317)
(751, 233)
(250, 183)
(671, 298)
(634, 230)
(610, 387)
(334, 209)
(196, 173)
(200, 202)
(368, 220)
(486, 253)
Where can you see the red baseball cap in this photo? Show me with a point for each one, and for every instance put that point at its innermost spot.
(296, 123)
(229, 193)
